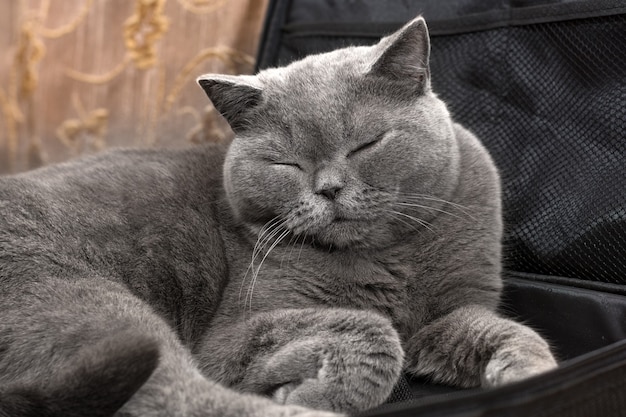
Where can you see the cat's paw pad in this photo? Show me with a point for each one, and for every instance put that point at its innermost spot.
(282, 393)
(511, 367)
(311, 393)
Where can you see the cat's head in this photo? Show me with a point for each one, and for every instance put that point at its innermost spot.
(346, 147)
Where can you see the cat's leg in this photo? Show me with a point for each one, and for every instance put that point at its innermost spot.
(333, 359)
(473, 346)
(89, 347)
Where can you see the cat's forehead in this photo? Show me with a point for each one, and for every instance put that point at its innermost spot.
(330, 97)
(322, 92)
(347, 60)
(321, 74)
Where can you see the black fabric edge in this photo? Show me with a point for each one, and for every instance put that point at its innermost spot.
(603, 287)
(275, 26)
(524, 16)
(571, 372)
(470, 23)
(355, 29)
(270, 11)
(567, 11)
(275, 17)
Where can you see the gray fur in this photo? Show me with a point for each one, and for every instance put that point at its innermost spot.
(350, 230)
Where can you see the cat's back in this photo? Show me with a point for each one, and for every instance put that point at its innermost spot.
(115, 177)
(145, 218)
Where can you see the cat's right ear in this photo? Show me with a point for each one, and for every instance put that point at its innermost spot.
(234, 96)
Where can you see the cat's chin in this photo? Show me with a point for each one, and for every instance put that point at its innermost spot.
(343, 233)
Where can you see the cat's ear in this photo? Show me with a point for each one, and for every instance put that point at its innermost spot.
(404, 55)
(234, 96)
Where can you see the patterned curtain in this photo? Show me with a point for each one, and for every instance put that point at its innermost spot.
(79, 76)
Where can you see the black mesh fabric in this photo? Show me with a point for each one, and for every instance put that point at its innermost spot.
(549, 101)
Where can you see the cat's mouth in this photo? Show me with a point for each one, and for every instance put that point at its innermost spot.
(343, 219)
(332, 225)
(342, 231)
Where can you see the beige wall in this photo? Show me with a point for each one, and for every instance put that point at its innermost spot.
(77, 76)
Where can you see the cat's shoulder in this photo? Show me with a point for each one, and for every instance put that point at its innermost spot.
(123, 167)
(479, 179)
(474, 154)
(470, 143)
(138, 184)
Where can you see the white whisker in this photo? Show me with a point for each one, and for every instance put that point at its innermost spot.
(412, 226)
(295, 243)
(423, 197)
(415, 219)
(301, 246)
(429, 208)
(250, 291)
(282, 258)
(265, 235)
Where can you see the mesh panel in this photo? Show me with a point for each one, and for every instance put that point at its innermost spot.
(549, 101)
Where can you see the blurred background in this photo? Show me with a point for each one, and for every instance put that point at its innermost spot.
(80, 76)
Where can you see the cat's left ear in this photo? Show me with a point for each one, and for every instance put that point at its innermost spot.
(234, 96)
(404, 55)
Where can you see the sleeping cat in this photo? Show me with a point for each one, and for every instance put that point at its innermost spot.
(350, 232)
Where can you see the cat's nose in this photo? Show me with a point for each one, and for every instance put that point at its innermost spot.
(329, 192)
(329, 180)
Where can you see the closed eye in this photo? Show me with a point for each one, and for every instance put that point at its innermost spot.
(288, 164)
(365, 146)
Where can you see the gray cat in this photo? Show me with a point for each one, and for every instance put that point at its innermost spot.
(349, 232)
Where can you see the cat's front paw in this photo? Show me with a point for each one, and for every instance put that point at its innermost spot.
(508, 366)
(295, 411)
(310, 392)
(346, 371)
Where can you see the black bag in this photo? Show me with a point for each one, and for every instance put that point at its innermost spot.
(543, 84)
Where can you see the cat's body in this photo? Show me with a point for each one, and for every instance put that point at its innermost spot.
(351, 230)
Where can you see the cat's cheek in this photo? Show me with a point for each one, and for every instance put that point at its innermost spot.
(287, 192)
(288, 182)
(381, 171)
(256, 190)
